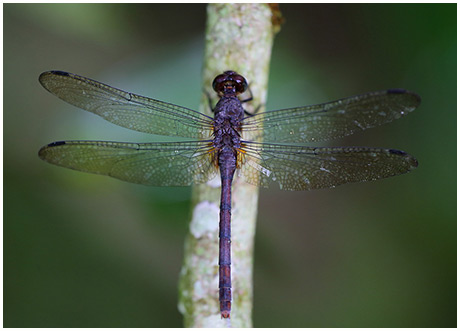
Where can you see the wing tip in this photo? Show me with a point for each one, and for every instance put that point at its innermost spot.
(44, 149)
(416, 98)
(42, 152)
(44, 76)
(412, 161)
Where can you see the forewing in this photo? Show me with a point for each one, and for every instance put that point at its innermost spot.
(299, 168)
(156, 164)
(331, 120)
(127, 109)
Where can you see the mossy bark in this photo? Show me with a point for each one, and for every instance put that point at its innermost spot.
(239, 37)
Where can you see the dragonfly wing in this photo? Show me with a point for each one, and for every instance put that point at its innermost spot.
(331, 120)
(127, 109)
(299, 168)
(156, 164)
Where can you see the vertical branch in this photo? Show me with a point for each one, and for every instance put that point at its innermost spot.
(239, 37)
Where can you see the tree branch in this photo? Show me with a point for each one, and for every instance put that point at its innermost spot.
(239, 37)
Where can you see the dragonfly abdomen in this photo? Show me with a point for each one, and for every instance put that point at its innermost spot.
(227, 165)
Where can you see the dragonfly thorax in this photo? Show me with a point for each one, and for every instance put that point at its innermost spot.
(226, 134)
(229, 107)
(227, 128)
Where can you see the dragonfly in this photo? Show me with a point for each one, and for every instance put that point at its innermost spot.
(259, 147)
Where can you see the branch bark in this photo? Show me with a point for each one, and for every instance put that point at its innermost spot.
(239, 37)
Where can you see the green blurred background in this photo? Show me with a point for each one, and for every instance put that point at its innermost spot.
(82, 250)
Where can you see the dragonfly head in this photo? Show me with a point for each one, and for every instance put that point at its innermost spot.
(229, 83)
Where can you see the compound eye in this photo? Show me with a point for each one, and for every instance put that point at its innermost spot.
(218, 83)
(241, 83)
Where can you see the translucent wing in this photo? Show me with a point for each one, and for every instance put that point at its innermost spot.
(156, 164)
(333, 119)
(305, 168)
(127, 109)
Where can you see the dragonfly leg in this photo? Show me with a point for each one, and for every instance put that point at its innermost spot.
(250, 99)
(250, 96)
(254, 112)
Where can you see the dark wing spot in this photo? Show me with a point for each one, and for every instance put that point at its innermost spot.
(57, 143)
(396, 91)
(397, 152)
(59, 73)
